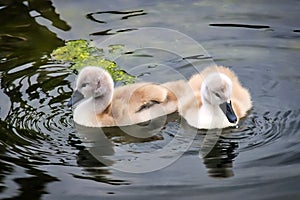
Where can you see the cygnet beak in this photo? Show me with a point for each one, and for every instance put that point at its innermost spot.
(228, 111)
(76, 97)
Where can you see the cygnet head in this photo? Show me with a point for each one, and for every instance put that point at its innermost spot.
(216, 90)
(92, 82)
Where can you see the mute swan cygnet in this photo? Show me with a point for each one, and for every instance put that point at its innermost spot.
(126, 105)
(220, 99)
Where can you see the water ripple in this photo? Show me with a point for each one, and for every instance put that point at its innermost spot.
(38, 122)
(242, 26)
(261, 130)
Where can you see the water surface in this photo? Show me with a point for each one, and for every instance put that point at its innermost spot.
(43, 154)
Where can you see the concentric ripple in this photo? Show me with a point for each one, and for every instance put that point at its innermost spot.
(255, 133)
(38, 122)
(264, 129)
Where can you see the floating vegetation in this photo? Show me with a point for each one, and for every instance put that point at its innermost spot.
(81, 53)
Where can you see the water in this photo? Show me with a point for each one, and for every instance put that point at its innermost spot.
(44, 156)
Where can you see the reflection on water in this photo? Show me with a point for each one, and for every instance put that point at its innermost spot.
(219, 159)
(30, 89)
(218, 150)
(43, 155)
(21, 33)
(123, 149)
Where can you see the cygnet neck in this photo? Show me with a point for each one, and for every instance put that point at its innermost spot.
(101, 102)
(205, 100)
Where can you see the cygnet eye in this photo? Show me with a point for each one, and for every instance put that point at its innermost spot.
(84, 85)
(217, 94)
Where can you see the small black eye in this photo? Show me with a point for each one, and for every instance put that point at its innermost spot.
(217, 94)
(84, 85)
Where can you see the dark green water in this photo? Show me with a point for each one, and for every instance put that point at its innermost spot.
(43, 155)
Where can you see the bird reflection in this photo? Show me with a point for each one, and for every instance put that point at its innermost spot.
(94, 147)
(218, 155)
(100, 142)
(98, 146)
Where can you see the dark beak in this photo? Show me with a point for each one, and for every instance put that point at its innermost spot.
(76, 97)
(228, 111)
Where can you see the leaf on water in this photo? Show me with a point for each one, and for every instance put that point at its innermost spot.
(81, 53)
